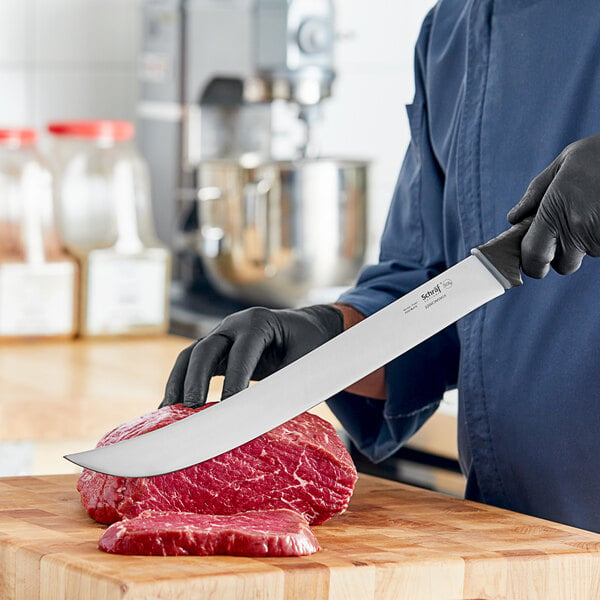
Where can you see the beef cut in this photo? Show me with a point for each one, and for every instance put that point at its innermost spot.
(254, 533)
(301, 465)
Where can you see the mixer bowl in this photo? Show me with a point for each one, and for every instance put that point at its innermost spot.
(271, 234)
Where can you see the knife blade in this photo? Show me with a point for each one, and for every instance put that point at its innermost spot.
(492, 269)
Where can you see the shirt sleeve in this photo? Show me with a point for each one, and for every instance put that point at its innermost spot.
(411, 252)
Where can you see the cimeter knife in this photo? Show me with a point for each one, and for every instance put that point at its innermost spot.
(490, 270)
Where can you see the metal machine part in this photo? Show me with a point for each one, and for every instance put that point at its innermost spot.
(275, 231)
(243, 81)
(217, 77)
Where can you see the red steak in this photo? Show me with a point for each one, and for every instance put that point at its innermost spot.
(301, 465)
(254, 533)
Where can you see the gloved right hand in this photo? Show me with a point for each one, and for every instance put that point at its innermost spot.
(250, 344)
(565, 199)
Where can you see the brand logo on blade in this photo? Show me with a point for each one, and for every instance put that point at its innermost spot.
(436, 293)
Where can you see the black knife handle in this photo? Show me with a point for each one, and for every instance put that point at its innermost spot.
(502, 255)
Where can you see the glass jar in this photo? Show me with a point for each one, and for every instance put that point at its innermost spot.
(38, 279)
(105, 220)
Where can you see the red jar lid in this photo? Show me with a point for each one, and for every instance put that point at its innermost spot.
(115, 130)
(18, 137)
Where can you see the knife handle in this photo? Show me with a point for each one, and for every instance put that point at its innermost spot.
(502, 255)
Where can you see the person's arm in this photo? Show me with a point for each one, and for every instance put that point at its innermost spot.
(412, 251)
(384, 409)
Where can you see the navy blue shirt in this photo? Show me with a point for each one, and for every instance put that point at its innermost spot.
(502, 86)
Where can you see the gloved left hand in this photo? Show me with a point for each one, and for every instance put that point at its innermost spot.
(565, 198)
(250, 344)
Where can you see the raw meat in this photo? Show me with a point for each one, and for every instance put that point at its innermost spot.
(254, 533)
(301, 465)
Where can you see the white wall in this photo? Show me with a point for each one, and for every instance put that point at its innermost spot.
(67, 59)
(366, 117)
(77, 59)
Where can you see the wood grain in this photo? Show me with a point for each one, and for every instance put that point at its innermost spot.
(93, 382)
(394, 542)
(61, 397)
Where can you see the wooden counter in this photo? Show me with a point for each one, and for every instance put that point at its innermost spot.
(394, 542)
(58, 397)
(62, 396)
(58, 390)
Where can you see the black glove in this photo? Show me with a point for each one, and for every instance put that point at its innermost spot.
(250, 344)
(565, 198)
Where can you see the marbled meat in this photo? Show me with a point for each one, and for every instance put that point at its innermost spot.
(254, 533)
(301, 465)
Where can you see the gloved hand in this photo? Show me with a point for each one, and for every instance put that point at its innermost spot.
(566, 196)
(250, 344)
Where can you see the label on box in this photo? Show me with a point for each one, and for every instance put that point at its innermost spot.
(125, 292)
(36, 299)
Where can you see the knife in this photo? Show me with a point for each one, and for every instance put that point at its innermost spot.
(490, 270)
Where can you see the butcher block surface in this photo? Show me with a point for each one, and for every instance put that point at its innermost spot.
(394, 542)
(98, 383)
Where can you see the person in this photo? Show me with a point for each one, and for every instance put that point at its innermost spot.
(506, 106)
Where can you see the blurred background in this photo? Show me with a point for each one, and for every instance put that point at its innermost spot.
(79, 59)
(192, 158)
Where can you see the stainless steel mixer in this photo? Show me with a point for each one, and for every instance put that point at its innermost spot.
(282, 229)
(231, 96)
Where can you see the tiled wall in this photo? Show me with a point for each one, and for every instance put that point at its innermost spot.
(77, 59)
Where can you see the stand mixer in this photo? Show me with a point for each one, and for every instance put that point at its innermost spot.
(231, 98)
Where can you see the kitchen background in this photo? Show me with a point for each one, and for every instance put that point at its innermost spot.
(78, 59)
(65, 59)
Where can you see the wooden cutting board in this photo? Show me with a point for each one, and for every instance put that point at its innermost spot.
(394, 542)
